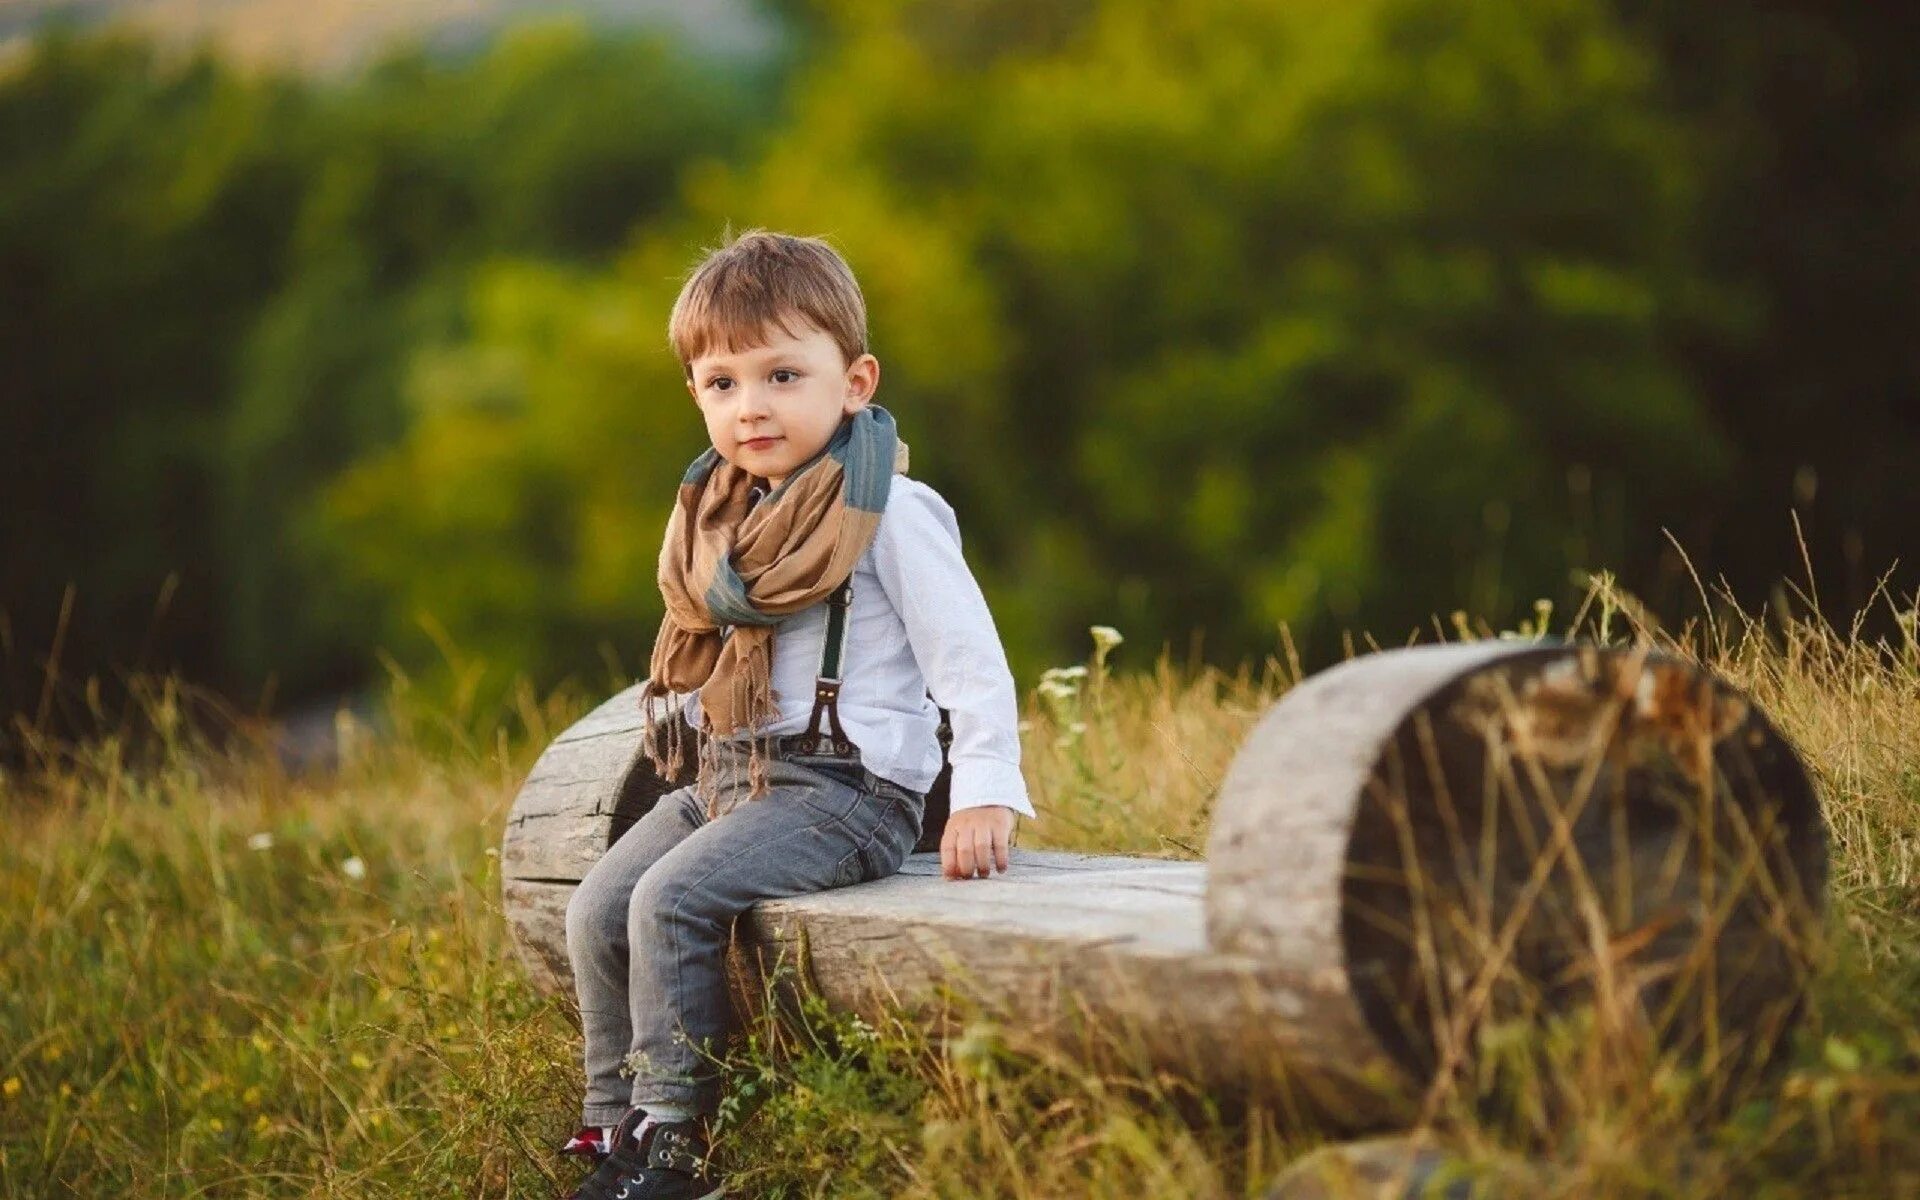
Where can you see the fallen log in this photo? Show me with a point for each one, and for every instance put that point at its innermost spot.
(1410, 848)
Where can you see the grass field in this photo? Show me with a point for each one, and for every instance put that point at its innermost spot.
(216, 980)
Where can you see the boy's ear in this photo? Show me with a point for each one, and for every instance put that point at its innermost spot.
(863, 379)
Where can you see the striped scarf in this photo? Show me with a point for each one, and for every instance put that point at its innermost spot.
(727, 561)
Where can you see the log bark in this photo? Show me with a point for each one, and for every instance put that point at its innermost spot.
(1409, 846)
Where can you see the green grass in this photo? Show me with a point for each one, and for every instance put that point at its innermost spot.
(187, 1010)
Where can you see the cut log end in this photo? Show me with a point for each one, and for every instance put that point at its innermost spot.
(1612, 832)
(1491, 832)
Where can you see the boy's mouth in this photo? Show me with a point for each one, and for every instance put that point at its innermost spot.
(760, 443)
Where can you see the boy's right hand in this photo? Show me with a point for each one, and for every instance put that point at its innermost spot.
(976, 841)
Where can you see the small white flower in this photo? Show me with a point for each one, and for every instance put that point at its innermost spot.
(260, 841)
(1105, 636)
(1057, 690)
(976, 1047)
(1077, 671)
(354, 868)
(1077, 727)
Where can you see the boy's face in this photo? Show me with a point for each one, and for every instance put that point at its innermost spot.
(771, 408)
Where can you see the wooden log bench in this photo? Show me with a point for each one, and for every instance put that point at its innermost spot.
(1409, 846)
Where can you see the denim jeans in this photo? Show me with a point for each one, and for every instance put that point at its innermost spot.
(648, 928)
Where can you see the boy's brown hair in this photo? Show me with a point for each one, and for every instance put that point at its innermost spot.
(758, 280)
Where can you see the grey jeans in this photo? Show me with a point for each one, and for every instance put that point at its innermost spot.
(648, 928)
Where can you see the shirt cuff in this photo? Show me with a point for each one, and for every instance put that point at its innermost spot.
(978, 782)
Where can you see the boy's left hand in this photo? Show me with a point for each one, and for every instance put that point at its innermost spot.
(976, 841)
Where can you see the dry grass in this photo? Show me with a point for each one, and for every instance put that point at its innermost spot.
(224, 981)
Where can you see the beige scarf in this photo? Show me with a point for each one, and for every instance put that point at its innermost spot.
(727, 561)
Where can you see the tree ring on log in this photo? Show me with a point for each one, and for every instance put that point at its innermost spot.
(1521, 829)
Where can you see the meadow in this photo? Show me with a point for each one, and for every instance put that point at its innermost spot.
(225, 980)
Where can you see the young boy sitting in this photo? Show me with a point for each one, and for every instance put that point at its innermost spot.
(804, 490)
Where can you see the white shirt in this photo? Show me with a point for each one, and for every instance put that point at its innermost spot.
(917, 620)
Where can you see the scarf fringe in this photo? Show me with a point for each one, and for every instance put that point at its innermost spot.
(757, 686)
(665, 763)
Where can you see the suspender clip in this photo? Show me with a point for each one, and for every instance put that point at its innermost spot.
(826, 684)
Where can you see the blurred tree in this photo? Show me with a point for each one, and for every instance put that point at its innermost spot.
(1216, 316)
(141, 221)
(511, 527)
(1807, 116)
(209, 287)
(1207, 316)
(1372, 282)
(551, 144)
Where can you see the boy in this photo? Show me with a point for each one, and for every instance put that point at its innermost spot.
(804, 489)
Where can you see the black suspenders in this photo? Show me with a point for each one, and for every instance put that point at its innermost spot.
(826, 686)
(826, 699)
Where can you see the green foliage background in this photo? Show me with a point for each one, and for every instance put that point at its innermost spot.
(1214, 316)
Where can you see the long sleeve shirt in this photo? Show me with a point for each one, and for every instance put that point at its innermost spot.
(917, 621)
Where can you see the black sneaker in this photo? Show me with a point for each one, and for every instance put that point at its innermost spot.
(654, 1160)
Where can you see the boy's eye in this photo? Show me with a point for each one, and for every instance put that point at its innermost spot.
(724, 383)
